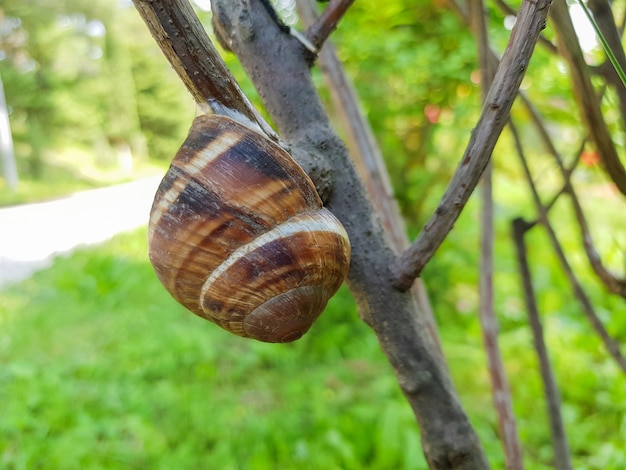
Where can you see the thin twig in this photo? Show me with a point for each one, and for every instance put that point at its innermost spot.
(612, 282)
(184, 42)
(501, 392)
(557, 429)
(326, 23)
(530, 22)
(586, 97)
(567, 175)
(612, 346)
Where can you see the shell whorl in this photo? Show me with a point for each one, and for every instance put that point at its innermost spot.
(238, 234)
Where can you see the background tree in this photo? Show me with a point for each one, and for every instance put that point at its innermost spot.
(70, 72)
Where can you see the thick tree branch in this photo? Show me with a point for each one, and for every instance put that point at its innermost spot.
(530, 22)
(586, 97)
(553, 399)
(367, 156)
(281, 74)
(184, 42)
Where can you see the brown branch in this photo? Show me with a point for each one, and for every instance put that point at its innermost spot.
(367, 157)
(281, 73)
(501, 393)
(612, 346)
(605, 20)
(557, 429)
(184, 42)
(612, 282)
(530, 22)
(584, 92)
(326, 23)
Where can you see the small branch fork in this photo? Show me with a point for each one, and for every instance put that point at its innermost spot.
(361, 142)
(530, 22)
(557, 429)
(612, 346)
(613, 283)
(321, 29)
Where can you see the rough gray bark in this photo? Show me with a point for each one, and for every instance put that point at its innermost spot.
(364, 149)
(279, 70)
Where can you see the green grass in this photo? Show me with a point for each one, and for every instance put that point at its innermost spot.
(100, 368)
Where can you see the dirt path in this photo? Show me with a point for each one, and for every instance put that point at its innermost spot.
(32, 234)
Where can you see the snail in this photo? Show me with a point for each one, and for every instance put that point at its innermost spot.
(238, 234)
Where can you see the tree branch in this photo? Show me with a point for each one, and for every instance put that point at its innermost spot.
(530, 22)
(184, 42)
(319, 31)
(612, 346)
(586, 98)
(551, 390)
(280, 72)
(501, 393)
(367, 157)
(508, 10)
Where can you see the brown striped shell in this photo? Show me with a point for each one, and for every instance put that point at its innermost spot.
(238, 234)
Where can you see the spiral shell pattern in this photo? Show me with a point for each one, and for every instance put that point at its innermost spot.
(238, 234)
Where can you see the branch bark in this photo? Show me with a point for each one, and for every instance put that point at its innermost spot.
(500, 391)
(612, 346)
(280, 72)
(585, 94)
(509, 10)
(502, 93)
(367, 158)
(184, 42)
(551, 390)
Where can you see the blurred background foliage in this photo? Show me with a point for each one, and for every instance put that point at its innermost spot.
(99, 368)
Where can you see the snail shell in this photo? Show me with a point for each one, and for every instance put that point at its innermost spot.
(238, 234)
